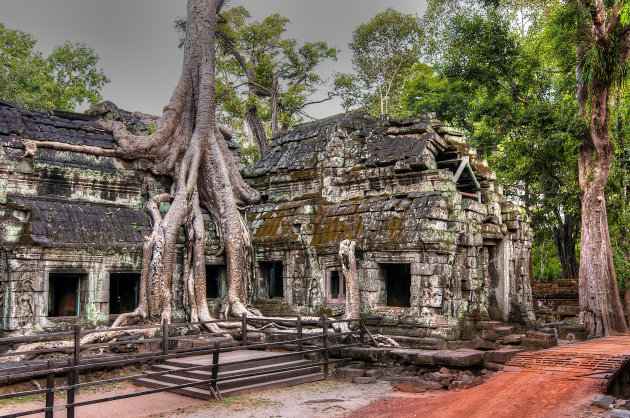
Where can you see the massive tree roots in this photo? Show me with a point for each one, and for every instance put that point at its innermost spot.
(189, 146)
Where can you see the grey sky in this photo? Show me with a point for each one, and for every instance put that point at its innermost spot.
(138, 46)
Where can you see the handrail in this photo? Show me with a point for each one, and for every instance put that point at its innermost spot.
(73, 366)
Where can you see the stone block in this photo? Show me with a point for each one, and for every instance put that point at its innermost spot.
(620, 413)
(459, 358)
(513, 339)
(603, 401)
(364, 380)
(565, 331)
(533, 344)
(348, 374)
(495, 367)
(377, 374)
(480, 344)
(503, 355)
(412, 356)
(414, 384)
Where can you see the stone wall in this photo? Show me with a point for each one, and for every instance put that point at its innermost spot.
(390, 187)
(422, 207)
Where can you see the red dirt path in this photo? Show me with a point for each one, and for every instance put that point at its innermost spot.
(538, 391)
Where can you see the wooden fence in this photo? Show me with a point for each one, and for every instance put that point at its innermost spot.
(73, 366)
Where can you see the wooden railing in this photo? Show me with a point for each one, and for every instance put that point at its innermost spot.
(72, 367)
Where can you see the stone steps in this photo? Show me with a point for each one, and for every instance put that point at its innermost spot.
(231, 365)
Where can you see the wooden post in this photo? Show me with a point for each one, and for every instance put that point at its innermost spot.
(165, 336)
(244, 332)
(50, 385)
(299, 332)
(361, 330)
(325, 344)
(73, 375)
(215, 365)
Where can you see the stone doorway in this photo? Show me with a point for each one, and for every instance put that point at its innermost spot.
(271, 273)
(397, 279)
(335, 286)
(124, 292)
(215, 277)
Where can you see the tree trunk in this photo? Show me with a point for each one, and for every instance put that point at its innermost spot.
(274, 105)
(190, 147)
(600, 306)
(350, 273)
(565, 239)
(258, 131)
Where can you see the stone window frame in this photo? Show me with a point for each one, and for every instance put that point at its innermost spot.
(383, 280)
(329, 299)
(82, 288)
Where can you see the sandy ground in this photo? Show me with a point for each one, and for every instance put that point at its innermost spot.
(325, 398)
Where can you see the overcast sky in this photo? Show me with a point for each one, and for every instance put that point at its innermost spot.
(138, 46)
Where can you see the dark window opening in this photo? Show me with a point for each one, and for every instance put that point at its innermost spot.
(335, 285)
(272, 274)
(66, 294)
(398, 284)
(124, 292)
(214, 278)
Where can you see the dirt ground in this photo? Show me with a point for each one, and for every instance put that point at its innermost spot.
(503, 395)
(517, 393)
(325, 398)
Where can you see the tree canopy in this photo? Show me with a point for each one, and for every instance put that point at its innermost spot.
(63, 80)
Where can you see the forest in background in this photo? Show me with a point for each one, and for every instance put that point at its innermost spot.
(505, 73)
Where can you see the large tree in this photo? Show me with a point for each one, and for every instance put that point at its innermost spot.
(264, 77)
(384, 50)
(603, 47)
(189, 146)
(66, 78)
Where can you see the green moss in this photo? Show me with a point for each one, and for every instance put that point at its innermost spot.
(12, 232)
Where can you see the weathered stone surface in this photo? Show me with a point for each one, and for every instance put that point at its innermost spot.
(377, 374)
(387, 185)
(480, 344)
(347, 374)
(414, 384)
(603, 401)
(503, 355)
(459, 358)
(513, 339)
(495, 367)
(572, 331)
(364, 380)
(620, 413)
(413, 356)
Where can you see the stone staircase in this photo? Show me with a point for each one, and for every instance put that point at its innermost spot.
(274, 307)
(232, 364)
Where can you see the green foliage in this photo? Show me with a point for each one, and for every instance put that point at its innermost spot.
(268, 55)
(384, 50)
(545, 263)
(67, 78)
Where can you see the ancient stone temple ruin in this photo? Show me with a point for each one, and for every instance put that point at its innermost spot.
(437, 243)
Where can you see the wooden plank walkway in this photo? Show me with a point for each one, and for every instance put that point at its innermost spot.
(601, 358)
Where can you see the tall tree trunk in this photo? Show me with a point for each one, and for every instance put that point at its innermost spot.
(350, 273)
(274, 105)
(565, 239)
(600, 306)
(190, 147)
